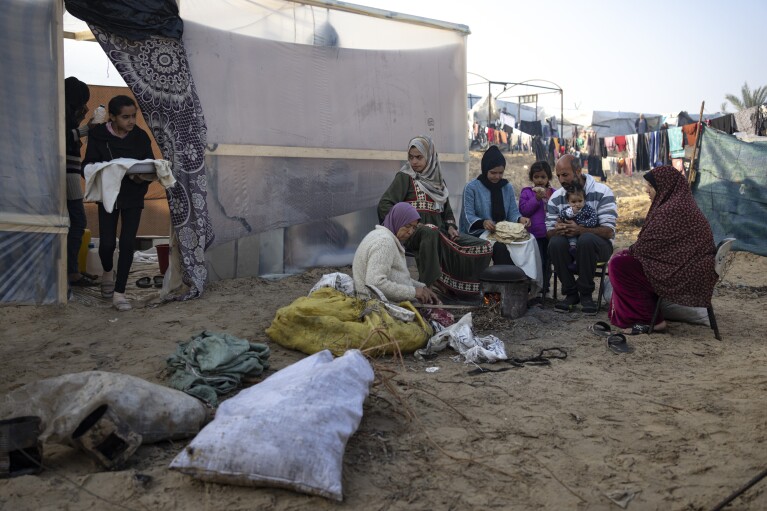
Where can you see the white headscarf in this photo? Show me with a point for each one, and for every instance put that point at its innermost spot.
(430, 180)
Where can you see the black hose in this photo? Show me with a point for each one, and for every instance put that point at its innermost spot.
(738, 492)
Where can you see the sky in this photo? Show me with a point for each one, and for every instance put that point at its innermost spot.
(652, 56)
(648, 56)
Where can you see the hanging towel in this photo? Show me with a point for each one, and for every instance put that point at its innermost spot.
(620, 142)
(675, 142)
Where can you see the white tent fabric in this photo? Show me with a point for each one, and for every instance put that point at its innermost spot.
(309, 110)
(527, 113)
(33, 218)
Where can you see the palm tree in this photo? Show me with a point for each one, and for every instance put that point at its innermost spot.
(749, 98)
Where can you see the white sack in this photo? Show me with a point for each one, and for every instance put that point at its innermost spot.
(289, 431)
(153, 411)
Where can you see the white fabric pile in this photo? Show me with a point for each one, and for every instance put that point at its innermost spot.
(472, 349)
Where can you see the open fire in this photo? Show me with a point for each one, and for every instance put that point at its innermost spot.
(491, 298)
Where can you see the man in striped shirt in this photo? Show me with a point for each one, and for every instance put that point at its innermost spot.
(594, 243)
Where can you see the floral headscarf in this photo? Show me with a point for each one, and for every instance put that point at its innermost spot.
(430, 180)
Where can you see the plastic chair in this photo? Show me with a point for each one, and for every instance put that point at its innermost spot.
(721, 265)
(600, 271)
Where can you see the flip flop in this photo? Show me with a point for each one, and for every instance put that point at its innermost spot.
(144, 282)
(617, 344)
(83, 282)
(158, 280)
(601, 328)
(638, 329)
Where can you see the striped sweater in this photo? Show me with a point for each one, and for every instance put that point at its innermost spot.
(598, 195)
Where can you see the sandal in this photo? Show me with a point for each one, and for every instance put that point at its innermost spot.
(158, 280)
(144, 282)
(121, 303)
(638, 329)
(107, 288)
(83, 281)
(601, 328)
(617, 344)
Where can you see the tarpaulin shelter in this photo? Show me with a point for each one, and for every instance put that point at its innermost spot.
(284, 121)
(731, 189)
(608, 124)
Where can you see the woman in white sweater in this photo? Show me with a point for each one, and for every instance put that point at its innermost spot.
(380, 259)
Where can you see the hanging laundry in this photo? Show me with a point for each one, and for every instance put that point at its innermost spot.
(490, 135)
(725, 123)
(595, 167)
(628, 166)
(663, 147)
(620, 143)
(643, 156)
(531, 127)
(653, 140)
(675, 142)
(631, 145)
(610, 143)
(691, 134)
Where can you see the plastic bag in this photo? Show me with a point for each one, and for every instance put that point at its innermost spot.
(461, 338)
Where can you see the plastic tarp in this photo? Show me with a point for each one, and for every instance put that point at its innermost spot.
(136, 20)
(33, 218)
(609, 124)
(731, 189)
(526, 112)
(309, 110)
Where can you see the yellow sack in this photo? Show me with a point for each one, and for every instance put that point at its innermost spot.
(329, 319)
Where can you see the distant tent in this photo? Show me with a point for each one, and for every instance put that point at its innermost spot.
(609, 124)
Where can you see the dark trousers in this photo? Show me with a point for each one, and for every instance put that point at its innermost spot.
(424, 243)
(131, 217)
(590, 250)
(543, 248)
(77, 223)
(501, 254)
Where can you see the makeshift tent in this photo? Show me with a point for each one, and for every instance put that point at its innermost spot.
(608, 124)
(33, 214)
(731, 189)
(479, 113)
(285, 121)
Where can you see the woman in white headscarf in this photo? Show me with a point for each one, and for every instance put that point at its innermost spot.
(445, 258)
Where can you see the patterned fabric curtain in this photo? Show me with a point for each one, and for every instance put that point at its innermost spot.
(157, 71)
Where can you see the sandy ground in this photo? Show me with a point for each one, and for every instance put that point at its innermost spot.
(679, 424)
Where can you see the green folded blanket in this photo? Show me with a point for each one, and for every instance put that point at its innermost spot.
(213, 364)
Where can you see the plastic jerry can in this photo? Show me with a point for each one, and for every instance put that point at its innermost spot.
(82, 255)
(93, 264)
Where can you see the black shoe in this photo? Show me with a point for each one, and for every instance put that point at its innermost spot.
(588, 305)
(568, 304)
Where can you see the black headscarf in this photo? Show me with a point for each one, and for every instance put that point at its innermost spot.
(490, 160)
(76, 96)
